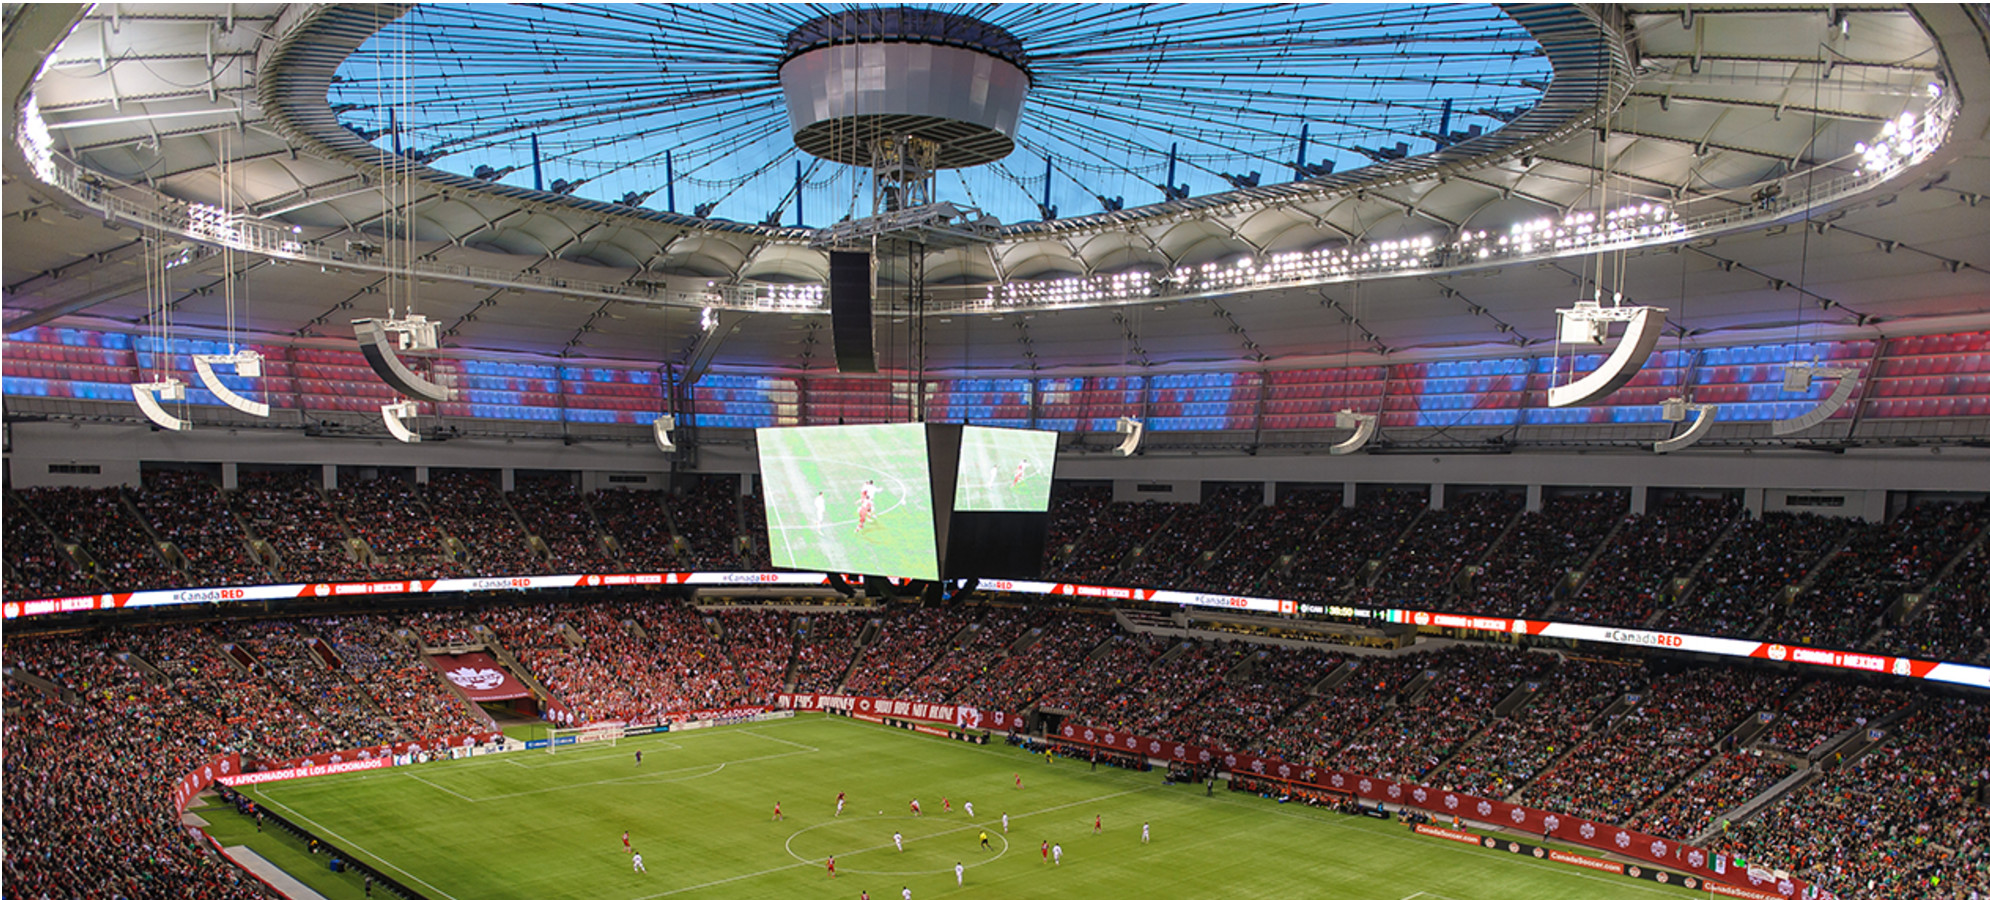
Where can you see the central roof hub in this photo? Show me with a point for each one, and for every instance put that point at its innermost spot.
(859, 76)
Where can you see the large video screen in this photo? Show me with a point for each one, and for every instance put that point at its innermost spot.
(849, 498)
(1004, 470)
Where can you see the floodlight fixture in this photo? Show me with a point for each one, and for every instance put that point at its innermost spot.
(247, 364)
(661, 429)
(1675, 410)
(1133, 429)
(1589, 323)
(411, 333)
(149, 393)
(1364, 428)
(394, 414)
(1796, 380)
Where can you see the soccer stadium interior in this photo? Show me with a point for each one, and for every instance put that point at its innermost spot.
(1562, 423)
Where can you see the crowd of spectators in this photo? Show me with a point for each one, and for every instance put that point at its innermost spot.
(686, 645)
(443, 627)
(1879, 564)
(825, 643)
(761, 644)
(1903, 822)
(910, 639)
(707, 517)
(1108, 538)
(550, 508)
(1639, 567)
(1562, 713)
(1073, 509)
(1725, 783)
(1330, 562)
(1104, 675)
(1177, 551)
(1305, 548)
(1411, 738)
(36, 565)
(285, 509)
(640, 523)
(470, 506)
(1319, 729)
(279, 655)
(1174, 681)
(368, 650)
(252, 717)
(1421, 570)
(1521, 575)
(1824, 709)
(1750, 570)
(981, 646)
(389, 515)
(1678, 724)
(1059, 646)
(1235, 711)
(98, 519)
(1950, 623)
(187, 509)
(86, 783)
(1240, 564)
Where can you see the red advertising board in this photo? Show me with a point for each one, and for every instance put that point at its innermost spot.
(192, 783)
(479, 676)
(874, 708)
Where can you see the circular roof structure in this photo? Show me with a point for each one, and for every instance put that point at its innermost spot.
(682, 108)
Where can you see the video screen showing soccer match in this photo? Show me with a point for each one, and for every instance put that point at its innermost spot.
(850, 498)
(1004, 470)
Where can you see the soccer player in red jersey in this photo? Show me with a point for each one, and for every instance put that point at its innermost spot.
(1046, 851)
(625, 843)
(1098, 824)
(915, 807)
(832, 867)
(777, 811)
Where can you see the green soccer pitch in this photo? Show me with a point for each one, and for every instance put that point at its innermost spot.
(699, 809)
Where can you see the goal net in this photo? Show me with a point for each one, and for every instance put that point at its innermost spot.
(602, 734)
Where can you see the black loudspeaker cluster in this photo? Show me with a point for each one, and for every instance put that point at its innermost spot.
(850, 311)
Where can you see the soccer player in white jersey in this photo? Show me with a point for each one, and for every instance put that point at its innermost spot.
(637, 858)
(960, 874)
(1057, 854)
(1143, 832)
(898, 840)
(821, 508)
(1005, 823)
(969, 806)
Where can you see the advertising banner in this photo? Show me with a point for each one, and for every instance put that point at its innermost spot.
(479, 676)
(875, 708)
(1898, 666)
(192, 783)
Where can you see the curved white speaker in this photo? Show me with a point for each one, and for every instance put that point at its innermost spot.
(1796, 380)
(661, 429)
(1675, 410)
(247, 363)
(394, 414)
(1133, 429)
(1589, 323)
(414, 333)
(1364, 428)
(149, 393)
